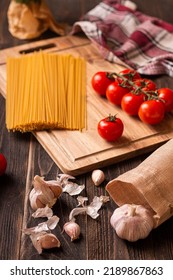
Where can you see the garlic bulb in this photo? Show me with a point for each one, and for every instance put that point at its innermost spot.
(44, 193)
(72, 229)
(132, 222)
(97, 177)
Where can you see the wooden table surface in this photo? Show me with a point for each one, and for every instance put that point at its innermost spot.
(26, 158)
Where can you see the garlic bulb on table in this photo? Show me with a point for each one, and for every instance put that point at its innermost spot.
(132, 222)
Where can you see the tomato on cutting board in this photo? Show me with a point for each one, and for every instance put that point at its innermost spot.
(3, 164)
(166, 94)
(152, 111)
(100, 81)
(131, 102)
(110, 128)
(145, 84)
(115, 92)
(130, 74)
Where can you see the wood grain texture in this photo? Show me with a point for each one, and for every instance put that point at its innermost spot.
(26, 157)
(12, 188)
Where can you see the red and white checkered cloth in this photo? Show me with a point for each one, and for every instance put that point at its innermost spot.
(124, 34)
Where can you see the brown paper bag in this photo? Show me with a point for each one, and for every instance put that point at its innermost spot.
(27, 21)
(150, 184)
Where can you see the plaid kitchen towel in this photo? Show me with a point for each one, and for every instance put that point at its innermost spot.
(124, 34)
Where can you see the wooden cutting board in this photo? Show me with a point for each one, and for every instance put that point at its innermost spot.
(79, 152)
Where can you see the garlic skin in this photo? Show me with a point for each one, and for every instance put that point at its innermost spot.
(97, 177)
(44, 193)
(72, 229)
(132, 222)
(43, 212)
(44, 227)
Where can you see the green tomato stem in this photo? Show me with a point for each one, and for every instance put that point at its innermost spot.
(150, 94)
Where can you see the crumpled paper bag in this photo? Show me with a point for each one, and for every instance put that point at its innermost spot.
(28, 21)
(149, 184)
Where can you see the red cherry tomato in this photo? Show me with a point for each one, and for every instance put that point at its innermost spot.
(110, 128)
(131, 102)
(145, 84)
(100, 81)
(166, 94)
(115, 91)
(130, 74)
(3, 164)
(151, 111)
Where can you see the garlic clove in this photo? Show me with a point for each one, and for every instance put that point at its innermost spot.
(56, 189)
(45, 241)
(34, 200)
(47, 187)
(44, 192)
(72, 229)
(55, 186)
(48, 241)
(97, 177)
(44, 187)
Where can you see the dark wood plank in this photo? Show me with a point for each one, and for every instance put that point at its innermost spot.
(44, 166)
(12, 188)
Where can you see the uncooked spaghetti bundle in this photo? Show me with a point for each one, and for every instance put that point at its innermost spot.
(46, 91)
(150, 186)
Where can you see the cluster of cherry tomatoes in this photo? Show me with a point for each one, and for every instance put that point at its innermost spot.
(136, 96)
